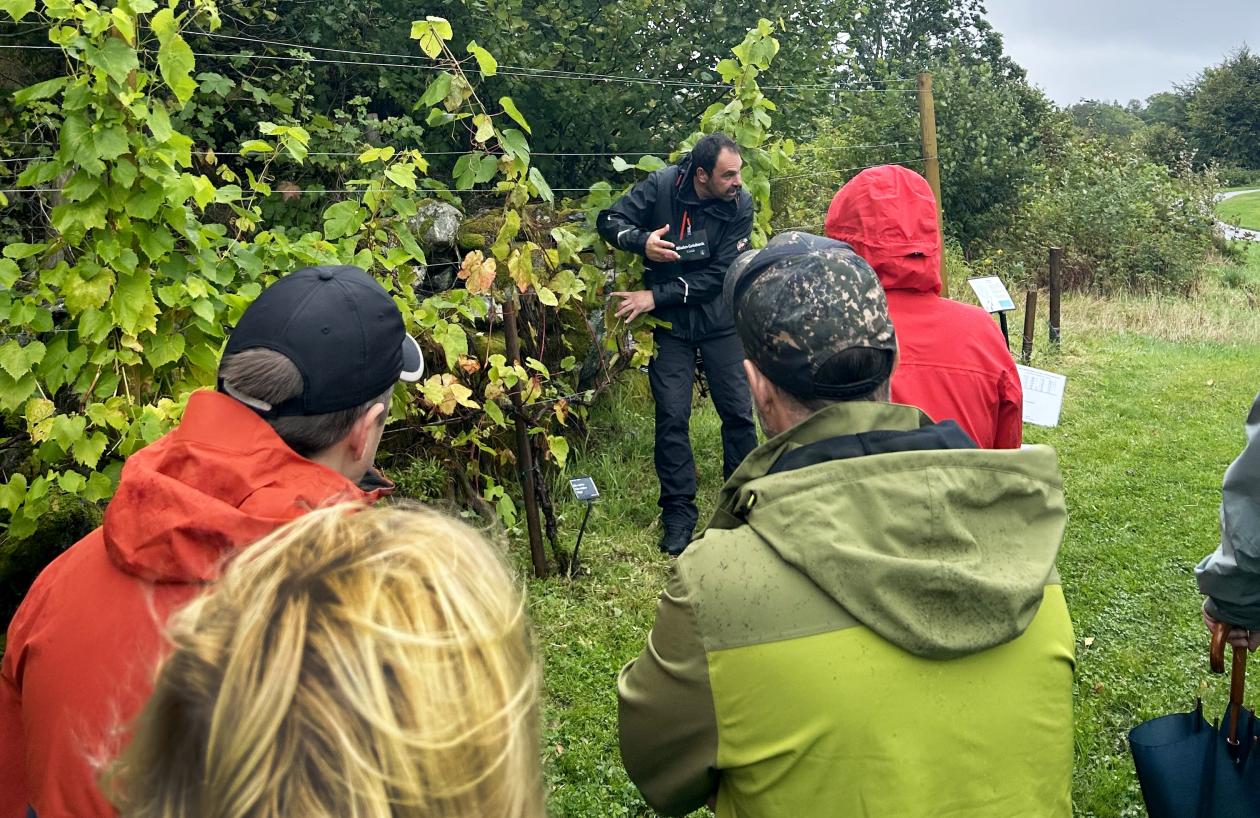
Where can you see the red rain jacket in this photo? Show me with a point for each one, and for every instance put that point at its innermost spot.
(954, 360)
(83, 646)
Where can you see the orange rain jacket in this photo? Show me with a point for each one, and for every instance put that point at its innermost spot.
(83, 647)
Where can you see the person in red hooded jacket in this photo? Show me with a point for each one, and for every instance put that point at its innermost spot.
(304, 387)
(955, 364)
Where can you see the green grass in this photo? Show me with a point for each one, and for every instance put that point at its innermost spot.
(590, 626)
(1241, 211)
(1148, 431)
(1149, 426)
(1241, 273)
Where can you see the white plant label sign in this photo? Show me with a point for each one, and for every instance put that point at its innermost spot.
(992, 293)
(1043, 395)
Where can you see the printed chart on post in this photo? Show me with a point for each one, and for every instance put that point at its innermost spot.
(992, 293)
(1043, 395)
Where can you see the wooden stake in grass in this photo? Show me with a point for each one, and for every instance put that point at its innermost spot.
(1056, 291)
(1030, 326)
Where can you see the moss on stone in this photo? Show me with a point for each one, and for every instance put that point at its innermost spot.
(478, 232)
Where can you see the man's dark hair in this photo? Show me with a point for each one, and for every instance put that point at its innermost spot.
(851, 365)
(265, 375)
(706, 151)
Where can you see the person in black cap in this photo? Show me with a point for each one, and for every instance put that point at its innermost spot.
(689, 221)
(317, 351)
(304, 388)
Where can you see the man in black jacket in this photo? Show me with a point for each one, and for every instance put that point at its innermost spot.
(689, 221)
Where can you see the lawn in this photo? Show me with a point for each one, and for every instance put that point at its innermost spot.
(1157, 392)
(1241, 211)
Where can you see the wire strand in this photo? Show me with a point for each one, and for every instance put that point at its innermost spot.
(836, 171)
(551, 73)
(833, 148)
(211, 151)
(518, 71)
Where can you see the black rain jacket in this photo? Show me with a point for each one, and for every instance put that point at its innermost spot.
(688, 294)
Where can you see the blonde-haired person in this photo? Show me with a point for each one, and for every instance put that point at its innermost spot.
(364, 663)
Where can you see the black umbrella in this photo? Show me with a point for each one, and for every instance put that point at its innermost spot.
(1189, 768)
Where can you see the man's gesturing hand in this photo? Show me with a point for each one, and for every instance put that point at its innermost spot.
(634, 304)
(657, 248)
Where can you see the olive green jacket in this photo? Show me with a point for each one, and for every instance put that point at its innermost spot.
(882, 635)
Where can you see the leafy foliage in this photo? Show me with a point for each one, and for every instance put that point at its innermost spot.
(608, 80)
(899, 37)
(1224, 111)
(1125, 222)
(121, 312)
(149, 255)
(580, 62)
(123, 304)
(1105, 118)
(988, 131)
(1211, 121)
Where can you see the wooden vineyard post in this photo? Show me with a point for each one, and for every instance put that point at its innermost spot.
(1030, 326)
(1056, 291)
(931, 164)
(524, 453)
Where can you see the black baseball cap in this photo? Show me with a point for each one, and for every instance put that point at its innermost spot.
(342, 331)
(801, 301)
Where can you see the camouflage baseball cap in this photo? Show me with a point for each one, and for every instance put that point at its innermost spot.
(800, 302)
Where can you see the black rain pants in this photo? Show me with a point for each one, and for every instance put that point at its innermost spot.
(672, 377)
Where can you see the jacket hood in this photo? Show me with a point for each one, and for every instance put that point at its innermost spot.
(888, 215)
(943, 552)
(222, 480)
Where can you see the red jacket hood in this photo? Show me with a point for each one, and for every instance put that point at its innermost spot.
(220, 481)
(888, 215)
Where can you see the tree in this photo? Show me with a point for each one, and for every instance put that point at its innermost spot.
(1164, 144)
(1105, 118)
(988, 128)
(1224, 110)
(903, 36)
(604, 77)
(1166, 108)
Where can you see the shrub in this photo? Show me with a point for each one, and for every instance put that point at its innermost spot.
(1125, 222)
(1234, 176)
(116, 305)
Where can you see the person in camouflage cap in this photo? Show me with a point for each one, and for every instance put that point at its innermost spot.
(812, 317)
(873, 615)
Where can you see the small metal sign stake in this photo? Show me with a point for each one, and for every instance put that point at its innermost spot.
(583, 491)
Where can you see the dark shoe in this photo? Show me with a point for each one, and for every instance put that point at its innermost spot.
(675, 540)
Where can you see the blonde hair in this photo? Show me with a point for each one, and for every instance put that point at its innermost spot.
(356, 663)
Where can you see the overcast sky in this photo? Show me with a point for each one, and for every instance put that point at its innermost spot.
(1120, 49)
